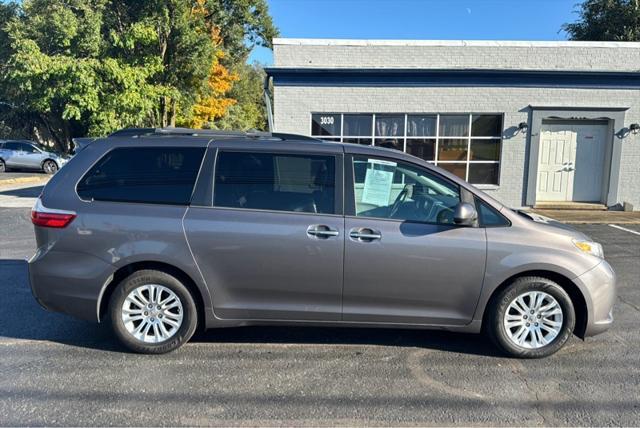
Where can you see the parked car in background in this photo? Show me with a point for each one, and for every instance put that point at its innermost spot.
(25, 154)
(158, 231)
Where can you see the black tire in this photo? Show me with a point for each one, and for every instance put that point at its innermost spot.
(3, 166)
(496, 330)
(50, 167)
(143, 277)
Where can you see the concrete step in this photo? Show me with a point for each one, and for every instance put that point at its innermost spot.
(586, 206)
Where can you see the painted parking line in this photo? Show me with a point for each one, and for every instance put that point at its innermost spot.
(625, 229)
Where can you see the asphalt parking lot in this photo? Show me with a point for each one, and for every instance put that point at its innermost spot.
(60, 371)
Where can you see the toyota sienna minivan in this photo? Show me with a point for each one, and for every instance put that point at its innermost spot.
(161, 231)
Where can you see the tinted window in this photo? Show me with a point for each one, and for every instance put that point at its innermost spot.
(325, 124)
(156, 175)
(488, 216)
(486, 125)
(421, 125)
(28, 148)
(358, 125)
(280, 182)
(454, 125)
(397, 190)
(13, 146)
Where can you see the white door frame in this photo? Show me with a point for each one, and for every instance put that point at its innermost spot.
(613, 152)
(570, 168)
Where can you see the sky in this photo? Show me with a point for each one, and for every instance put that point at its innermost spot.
(419, 19)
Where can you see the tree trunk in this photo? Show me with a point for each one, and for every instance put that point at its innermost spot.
(60, 137)
(164, 111)
(173, 113)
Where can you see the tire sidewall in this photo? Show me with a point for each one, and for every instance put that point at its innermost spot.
(522, 285)
(189, 321)
(3, 166)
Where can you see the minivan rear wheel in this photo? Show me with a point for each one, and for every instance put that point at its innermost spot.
(152, 312)
(531, 318)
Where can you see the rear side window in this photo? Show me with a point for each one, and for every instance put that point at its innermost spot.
(277, 182)
(152, 175)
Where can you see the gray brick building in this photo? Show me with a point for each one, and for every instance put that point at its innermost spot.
(529, 122)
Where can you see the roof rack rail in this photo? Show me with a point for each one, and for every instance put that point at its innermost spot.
(138, 132)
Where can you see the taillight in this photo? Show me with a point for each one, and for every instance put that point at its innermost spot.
(47, 217)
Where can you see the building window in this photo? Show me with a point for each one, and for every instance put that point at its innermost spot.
(467, 145)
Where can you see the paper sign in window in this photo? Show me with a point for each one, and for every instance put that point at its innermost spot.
(378, 182)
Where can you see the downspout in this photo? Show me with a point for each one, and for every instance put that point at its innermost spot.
(267, 102)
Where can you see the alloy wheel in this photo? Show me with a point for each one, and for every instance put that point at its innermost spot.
(533, 320)
(152, 313)
(50, 167)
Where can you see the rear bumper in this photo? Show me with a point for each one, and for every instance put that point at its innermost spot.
(600, 286)
(70, 283)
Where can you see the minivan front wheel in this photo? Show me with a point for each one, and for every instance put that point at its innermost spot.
(152, 312)
(532, 318)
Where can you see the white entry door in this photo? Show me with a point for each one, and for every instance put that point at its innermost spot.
(571, 161)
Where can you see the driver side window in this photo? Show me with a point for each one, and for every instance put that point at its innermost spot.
(397, 190)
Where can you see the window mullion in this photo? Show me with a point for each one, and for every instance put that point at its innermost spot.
(468, 148)
(373, 130)
(437, 153)
(404, 146)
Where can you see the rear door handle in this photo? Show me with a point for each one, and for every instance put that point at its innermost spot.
(321, 231)
(364, 234)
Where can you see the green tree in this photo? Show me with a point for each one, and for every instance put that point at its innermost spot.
(179, 42)
(606, 20)
(243, 24)
(249, 112)
(237, 27)
(87, 67)
(60, 80)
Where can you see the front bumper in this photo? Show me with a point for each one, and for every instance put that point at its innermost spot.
(599, 288)
(70, 283)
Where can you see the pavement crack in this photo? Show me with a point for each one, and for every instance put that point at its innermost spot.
(629, 304)
(414, 363)
(537, 407)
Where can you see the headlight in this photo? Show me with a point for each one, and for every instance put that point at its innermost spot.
(589, 247)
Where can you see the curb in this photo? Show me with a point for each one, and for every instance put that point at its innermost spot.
(601, 221)
(22, 180)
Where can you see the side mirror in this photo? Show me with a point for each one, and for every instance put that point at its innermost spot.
(465, 214)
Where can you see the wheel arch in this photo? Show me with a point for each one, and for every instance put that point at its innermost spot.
(172, 270)
(574, 292)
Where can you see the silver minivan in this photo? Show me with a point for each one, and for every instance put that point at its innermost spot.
(160, 231)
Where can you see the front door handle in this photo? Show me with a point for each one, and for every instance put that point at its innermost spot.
(321, 231)
(364, 234)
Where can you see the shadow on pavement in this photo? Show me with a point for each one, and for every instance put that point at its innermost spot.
(26, 192)
(24, 319)
(473, 344)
